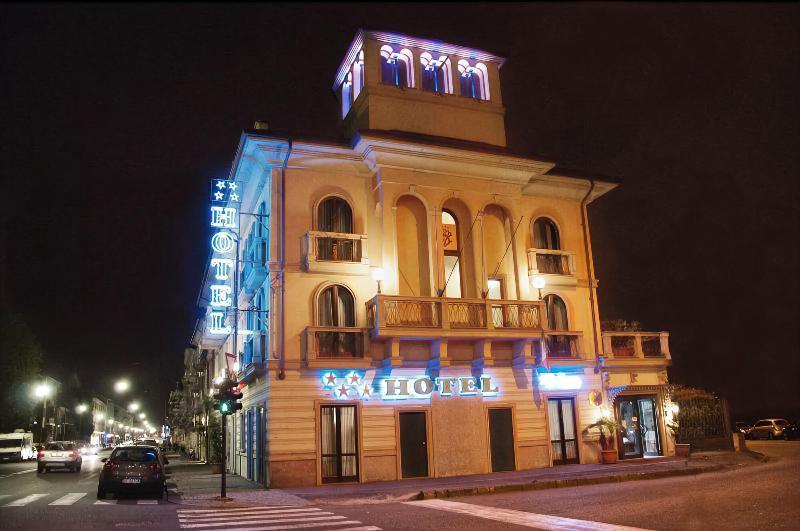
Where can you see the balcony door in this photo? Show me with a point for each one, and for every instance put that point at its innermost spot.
(336, 309)
(335, 215)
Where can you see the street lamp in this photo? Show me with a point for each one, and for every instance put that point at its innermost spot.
(121, 386)
(378, 275)
(80, 409)
(133, 406)
(142, 416)
(42, 391)
(538, 283)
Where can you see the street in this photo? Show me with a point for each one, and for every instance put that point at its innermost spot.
(755, 496)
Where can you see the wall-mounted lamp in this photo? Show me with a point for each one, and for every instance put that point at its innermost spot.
(538, 283)
(378, 275)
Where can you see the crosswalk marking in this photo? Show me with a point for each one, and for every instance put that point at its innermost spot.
(234, 509)
(266, 518)
(248, 516)
(106, 502)
(25, 501)
(521, 518)
(69, 499)
(226, 523)
(147, 502)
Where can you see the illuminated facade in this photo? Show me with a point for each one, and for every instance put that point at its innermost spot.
(418, 301)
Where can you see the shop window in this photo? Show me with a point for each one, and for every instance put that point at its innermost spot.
(339, 443)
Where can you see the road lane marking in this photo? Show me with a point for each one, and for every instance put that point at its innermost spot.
(521, 518)
(69, 499)
(147, 502)
(18, 473)
(26, 500)
(260, 519)
(253, 512)
(106, 502)
(227, 524)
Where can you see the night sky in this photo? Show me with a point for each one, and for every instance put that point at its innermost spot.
(115, 117)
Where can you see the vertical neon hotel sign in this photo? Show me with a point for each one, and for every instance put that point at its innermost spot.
(225, 220)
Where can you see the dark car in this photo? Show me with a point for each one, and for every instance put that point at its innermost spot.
(132, 469)
(792, 431)
(743, 427)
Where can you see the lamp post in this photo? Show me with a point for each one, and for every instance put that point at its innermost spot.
(43, 391)
(80, 409)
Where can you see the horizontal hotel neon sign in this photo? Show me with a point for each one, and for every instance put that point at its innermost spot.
(353, 385)
(559, 381)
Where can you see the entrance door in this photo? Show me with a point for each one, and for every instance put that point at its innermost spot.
(638, 433)
(339, 443)
(501, 439)
(413, 444)
(563, 434)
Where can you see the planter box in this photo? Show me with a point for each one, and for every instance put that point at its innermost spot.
(609, 457)
(682, 449)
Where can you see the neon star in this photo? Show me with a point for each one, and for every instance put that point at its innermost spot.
(221, 185)
(331, 378)
(234, 196)
(354, 378)
(218, 196)
(232, 186)
(367, 391)
(342, 391)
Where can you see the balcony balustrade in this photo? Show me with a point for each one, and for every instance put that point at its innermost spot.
(636, 345)
(563, 344)
(552, 262)
(398, 316)
(329, 346)
(335, 252)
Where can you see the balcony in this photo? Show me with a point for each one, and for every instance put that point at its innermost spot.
(254, 269)
(429, 317)
(638, 347)
(335, 252)
(563, 345)
(330, 347)
(558, 267)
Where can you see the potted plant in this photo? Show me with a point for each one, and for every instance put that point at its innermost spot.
(622, 346)
(608, 428)
(215, 445)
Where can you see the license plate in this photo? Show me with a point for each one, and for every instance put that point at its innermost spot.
(131, 480)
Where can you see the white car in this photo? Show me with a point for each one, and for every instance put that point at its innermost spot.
(61, 455)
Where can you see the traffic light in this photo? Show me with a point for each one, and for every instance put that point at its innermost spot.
(228, 396)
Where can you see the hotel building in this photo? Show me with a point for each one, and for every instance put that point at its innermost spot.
(417, 300)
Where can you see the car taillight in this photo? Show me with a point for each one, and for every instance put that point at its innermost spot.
(40, 453)
(71, 453)
(110, 465)
(155, 467)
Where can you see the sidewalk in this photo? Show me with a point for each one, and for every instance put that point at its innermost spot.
(196, 485)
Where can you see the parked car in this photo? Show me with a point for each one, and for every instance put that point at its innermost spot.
(743, 427)
(59, 454)
(135, 469)
(792, 431)
(769, 429)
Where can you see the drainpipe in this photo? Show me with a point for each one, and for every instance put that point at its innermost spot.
(282, 359)
(590, 276)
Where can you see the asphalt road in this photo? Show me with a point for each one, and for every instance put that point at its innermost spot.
(757, 496)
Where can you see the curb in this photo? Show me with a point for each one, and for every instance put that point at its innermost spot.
(758, 456)
(561, 483)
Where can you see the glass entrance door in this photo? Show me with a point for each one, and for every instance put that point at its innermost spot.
(638, 432)
(563, 438)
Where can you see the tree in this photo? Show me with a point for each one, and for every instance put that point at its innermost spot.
(20, 363)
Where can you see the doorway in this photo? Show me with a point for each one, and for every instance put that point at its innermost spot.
(563, 433)
(638, 433)
(501, 439)
(413, 444)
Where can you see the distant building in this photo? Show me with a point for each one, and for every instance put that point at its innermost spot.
(418, 301)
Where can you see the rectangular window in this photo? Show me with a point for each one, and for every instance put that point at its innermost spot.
(339, 443)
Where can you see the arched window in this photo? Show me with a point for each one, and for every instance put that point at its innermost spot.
(451, 249)
(556, 313)
(347, 94)
(474, 80)
(334, 215)
(358, 74)
(436, 74)
(545, 234)
(336, 309)
(397, 68)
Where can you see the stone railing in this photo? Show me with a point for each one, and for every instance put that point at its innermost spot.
(323, 249)
(628, 345)
(551, 262)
